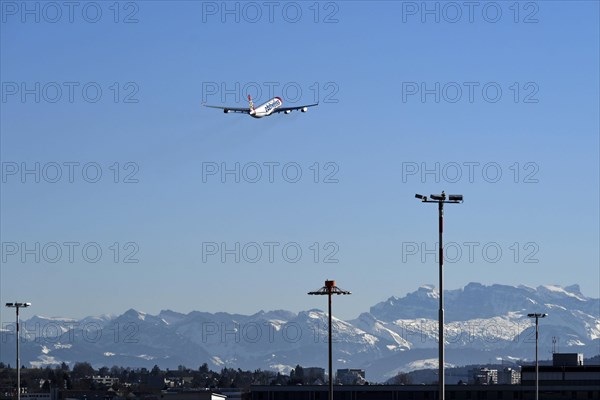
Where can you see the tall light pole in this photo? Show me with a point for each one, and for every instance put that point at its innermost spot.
(328, 290)
(16, 306)
(537, 317)
(440, 199)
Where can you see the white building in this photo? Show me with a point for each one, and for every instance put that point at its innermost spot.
(104, 380)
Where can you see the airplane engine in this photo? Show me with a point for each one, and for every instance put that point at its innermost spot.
(287, 111)
(304, 109)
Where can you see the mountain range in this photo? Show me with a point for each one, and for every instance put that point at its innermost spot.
(483, 324)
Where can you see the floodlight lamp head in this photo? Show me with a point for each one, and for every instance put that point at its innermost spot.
(537, 315)
(18, 305)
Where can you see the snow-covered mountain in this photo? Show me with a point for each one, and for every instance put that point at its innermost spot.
(483, 324)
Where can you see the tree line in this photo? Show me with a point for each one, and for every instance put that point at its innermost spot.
(79, 377)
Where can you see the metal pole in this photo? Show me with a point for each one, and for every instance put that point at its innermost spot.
(441, 200)
(330, 289)
(330, 352)
(16, 306)
(18, 358)
(537, 377)
(537, 317)
(441, 311)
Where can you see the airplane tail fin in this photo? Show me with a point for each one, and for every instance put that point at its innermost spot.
(250, 103)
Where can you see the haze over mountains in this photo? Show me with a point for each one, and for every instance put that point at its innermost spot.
(483, 324)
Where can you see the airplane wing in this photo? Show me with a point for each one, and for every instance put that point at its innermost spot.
(231, 109)
(288, 110)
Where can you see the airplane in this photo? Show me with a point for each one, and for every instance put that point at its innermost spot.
(264, 110)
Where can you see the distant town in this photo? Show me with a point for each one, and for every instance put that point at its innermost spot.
(567, 375)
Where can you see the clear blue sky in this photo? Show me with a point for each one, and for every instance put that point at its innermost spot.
(373, 59)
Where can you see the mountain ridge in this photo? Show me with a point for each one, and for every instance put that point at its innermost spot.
(394, 335)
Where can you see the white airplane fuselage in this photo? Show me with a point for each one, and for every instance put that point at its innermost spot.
(267, 108)
(273, 106)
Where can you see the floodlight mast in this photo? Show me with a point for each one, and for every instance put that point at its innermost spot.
(440, 199)
(328, 290)
(16, 306)
(537, 317)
